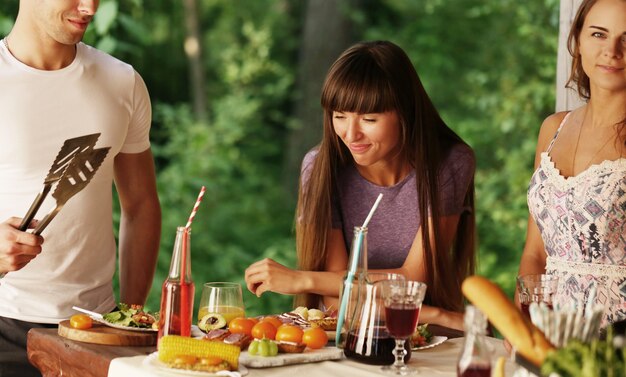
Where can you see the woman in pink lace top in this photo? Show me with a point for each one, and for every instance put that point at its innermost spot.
(577, 194)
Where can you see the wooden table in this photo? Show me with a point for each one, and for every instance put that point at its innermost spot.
(56, 356)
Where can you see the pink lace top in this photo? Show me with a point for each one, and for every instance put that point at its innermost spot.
(582, 220)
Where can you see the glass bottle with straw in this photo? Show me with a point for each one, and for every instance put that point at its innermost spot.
(357, 266)
(178, 289)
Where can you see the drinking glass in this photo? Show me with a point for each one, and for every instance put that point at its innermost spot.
(403, 300)
(536, 288)
(221, 298)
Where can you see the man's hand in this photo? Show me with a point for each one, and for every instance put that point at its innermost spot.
(17, 248)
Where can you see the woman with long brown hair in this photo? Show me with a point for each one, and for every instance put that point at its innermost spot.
(382, 134)
(577, 195)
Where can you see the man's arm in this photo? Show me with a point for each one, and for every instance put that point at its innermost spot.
(140, 224)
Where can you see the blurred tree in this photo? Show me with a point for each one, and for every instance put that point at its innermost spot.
(327, 32)
(193, 49)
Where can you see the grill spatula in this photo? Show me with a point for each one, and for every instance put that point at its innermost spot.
(77, 175)
(70, 148)
(74, 166)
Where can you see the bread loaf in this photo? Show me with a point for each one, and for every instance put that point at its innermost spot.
(527, 339)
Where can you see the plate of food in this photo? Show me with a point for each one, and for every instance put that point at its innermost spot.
(127, 317)
(434, 341)
(152, 361)
(423, 339)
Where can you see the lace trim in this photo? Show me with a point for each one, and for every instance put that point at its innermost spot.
(592, 172)
(580, 268)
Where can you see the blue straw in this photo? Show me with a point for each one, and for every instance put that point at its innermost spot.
(348, 287)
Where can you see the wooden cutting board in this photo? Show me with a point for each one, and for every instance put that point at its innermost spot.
(102, 334)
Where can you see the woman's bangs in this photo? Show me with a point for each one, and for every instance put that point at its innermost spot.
(360, 92)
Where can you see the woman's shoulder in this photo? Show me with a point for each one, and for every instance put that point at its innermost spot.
(309, 158)
(553, 121)
(549, 128)
(460, 155)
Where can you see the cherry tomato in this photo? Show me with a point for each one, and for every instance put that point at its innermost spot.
(264, 330)
(241, 325)
(289, 333)
(273, 320)
(315, 337)
(81, 321)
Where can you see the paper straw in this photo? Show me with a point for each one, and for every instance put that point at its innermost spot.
(359, 239)
(195, 207)
(348, 287)
(185, 325)
(369, 216)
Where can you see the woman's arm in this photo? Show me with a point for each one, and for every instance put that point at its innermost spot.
(269, 275)
(533, 259)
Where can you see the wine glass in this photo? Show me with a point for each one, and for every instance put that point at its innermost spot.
(222, 301)
(536, 288)
(403, 300)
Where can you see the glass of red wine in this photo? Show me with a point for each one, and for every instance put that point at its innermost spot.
(536, 288)
(403, 300)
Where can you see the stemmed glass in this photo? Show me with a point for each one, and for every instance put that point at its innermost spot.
(536, 288)
(221, 298)
(403, 300)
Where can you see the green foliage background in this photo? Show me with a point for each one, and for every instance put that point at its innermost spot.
(489, 66)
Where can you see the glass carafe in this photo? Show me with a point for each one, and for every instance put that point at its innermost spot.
(367, 339)
(475, 358)
(178, 289)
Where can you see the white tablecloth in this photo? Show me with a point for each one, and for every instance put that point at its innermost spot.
(439, 361)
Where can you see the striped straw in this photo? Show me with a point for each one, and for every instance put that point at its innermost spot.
(195, 207)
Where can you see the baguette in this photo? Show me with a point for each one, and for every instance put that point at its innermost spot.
(527, 339)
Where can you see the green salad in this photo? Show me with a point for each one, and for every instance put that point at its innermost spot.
(599, 358)
(422, 336)
(131, 316)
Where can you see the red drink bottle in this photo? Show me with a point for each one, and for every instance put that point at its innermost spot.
(178, 290)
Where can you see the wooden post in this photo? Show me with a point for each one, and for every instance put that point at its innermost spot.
(566, 98)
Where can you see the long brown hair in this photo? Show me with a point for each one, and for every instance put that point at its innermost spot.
(578, 75)
(374, 77)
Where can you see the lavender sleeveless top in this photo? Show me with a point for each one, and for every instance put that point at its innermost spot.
(393, 227)
(582, 220)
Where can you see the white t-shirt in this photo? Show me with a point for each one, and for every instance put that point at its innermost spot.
(38, 111)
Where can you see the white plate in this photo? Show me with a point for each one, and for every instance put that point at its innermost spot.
(130, 328)
(434, 342)
(153, 361)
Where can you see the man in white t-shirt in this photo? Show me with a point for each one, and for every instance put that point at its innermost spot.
(54, 87)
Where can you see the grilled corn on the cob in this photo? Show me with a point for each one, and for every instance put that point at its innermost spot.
(173, 346)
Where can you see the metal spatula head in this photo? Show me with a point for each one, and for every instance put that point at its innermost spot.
(69, 149)
(79, 173)
(76, 177)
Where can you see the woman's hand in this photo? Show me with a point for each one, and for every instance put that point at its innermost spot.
(441, 317)
(269, 275)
